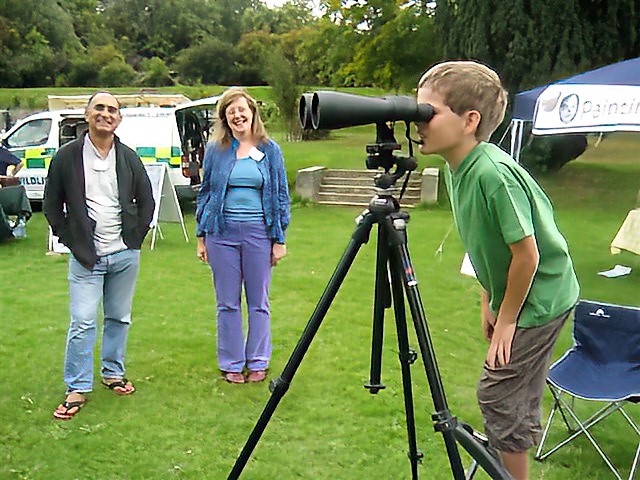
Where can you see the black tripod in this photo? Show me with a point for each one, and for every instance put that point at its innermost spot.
(392, 263)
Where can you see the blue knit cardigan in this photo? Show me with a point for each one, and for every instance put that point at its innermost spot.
(218, 163)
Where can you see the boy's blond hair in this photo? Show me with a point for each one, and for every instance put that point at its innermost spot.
(468, 85)
(222, 131)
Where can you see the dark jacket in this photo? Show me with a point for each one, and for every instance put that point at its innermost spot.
(65, 205)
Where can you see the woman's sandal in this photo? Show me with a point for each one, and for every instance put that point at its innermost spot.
(255, 376)
(120, 386)
(67, 410)
(233, 377)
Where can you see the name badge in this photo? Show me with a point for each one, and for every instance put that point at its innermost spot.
(256, 154)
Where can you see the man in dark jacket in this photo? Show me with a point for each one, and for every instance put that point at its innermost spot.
(98, 201)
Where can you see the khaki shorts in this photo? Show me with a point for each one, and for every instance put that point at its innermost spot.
(510, 396)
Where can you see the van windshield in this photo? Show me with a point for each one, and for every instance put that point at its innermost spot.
(33, 133)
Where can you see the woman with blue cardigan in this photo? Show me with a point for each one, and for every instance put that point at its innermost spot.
(242, 214)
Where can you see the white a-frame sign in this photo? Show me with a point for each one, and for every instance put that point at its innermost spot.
(167, 206)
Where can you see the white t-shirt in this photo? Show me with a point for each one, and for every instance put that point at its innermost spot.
(103, 206)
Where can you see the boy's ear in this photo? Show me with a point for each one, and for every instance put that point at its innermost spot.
(472, 120)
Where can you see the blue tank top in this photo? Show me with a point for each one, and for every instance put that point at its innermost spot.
(243, 202)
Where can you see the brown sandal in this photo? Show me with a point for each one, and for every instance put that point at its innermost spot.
(233, 377)
(256, 376)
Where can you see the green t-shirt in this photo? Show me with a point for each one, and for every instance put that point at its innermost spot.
(496, 203)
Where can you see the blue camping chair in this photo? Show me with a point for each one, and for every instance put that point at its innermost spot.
(602, 366)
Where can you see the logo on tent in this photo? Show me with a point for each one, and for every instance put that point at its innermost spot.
(569, 108)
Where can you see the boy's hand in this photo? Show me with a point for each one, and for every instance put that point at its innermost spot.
(488, 318)
(487, 328)
(499, 353)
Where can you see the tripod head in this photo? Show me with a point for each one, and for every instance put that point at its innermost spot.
(380, 155)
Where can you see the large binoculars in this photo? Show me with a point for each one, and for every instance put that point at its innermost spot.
(330, 110)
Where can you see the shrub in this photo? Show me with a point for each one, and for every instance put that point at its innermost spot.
(551, 153)
(116, 74)
(83, 72)
(155, 73)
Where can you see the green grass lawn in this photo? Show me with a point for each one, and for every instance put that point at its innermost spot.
(185, 422)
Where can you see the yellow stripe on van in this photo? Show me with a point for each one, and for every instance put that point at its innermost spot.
(38, 157)
(170, 155)
(176, 156)
(163, 152)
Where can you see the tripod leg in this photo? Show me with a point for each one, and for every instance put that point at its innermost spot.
(407, 358)
(444, 421)
(382, 300)
(477, 447)
(280, 385)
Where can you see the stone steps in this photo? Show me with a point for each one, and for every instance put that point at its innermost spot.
(356, 187)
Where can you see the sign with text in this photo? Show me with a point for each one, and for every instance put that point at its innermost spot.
(572, 108)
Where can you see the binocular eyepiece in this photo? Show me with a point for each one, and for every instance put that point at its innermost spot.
(331, 110)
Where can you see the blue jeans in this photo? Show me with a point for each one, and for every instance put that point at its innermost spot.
(112, 280)
(242, 256)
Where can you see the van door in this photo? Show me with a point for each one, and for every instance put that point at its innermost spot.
(71, 127)
(195, 121)
(34, 143)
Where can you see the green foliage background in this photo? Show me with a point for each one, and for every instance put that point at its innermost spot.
(383, 43)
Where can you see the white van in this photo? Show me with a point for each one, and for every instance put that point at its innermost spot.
(174, 133)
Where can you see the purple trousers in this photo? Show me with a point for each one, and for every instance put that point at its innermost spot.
(242, 256)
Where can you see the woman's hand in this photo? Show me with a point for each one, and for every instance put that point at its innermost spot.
(201, 250)
(278, 251)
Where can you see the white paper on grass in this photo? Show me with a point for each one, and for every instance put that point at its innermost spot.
(617, 271)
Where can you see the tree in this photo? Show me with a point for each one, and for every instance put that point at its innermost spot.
(116, 73)
(251, 51)
(88, 23)
(394, 55)
(9, 43)
(539, 41)
(282, 79)
(292, 15)
(389, 42)
(155, 73)
(82, 72)
(35, 36)
(209, 62)
(336, 45)
(534, 41)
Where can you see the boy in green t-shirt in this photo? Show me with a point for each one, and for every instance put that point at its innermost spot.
(520, 258)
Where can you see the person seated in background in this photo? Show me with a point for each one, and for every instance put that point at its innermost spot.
(11, 203)
(9, 163)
